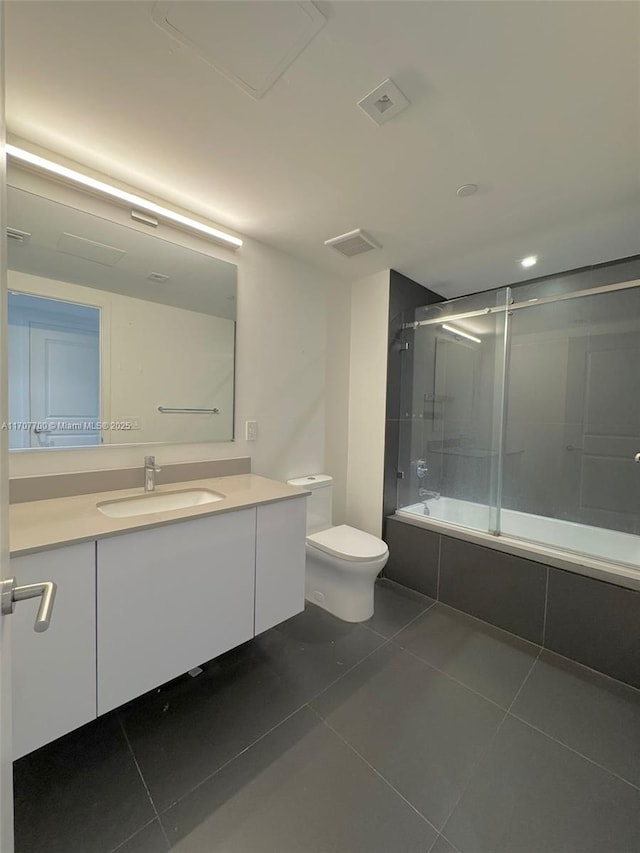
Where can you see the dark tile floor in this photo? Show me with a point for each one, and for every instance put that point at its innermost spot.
(421, 731)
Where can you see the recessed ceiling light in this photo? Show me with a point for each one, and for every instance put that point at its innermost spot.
(529, 261)
(466, 189)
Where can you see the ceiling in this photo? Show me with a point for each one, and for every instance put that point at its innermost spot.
(74, 246)
(536, 103)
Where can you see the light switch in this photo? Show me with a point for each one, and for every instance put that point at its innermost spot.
(251, 430)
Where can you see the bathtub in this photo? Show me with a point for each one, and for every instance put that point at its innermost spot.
(605, 554)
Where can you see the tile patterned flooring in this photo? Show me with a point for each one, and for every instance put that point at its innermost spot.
(423, 730)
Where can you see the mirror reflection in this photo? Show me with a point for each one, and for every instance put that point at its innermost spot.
(115, 336)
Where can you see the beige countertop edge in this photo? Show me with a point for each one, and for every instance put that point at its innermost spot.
(53, 523)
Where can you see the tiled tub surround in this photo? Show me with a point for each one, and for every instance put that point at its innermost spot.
(424, 730)
(588, 620)
(603, 545)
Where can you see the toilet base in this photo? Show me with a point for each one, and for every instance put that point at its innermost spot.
(345, 589)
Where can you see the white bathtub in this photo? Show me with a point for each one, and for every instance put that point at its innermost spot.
(579, 547)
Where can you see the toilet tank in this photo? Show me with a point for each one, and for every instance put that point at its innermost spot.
(319, 501)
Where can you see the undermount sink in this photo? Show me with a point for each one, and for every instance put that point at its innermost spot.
(158, 502)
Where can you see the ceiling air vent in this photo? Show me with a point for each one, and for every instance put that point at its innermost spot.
(18, 236)
(354, 243)
(384, 102)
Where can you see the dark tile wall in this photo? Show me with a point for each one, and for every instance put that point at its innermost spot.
(587, 620)
(499, 588)
(404, 295)
(413, 557)
(595, 623)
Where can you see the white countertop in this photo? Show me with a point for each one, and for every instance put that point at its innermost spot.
(40, 525)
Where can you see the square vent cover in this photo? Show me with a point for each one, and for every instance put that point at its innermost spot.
(353, 243)
(384, 103)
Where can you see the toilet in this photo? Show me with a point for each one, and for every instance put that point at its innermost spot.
(342, 562)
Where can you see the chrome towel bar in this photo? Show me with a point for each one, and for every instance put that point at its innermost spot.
(165, 410)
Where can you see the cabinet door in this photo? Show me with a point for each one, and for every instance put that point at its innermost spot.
(54, 673)
(171, 598)
(280, 561)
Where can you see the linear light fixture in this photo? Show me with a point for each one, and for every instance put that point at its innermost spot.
(461, 334)
(113, 192)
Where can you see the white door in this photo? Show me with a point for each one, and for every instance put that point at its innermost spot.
(64, 386)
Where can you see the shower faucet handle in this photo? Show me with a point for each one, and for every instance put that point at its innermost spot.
(636, 458)
(421, 468)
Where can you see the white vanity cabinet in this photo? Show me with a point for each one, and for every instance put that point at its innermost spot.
(280, 558)
(54, 673)
(170, 598)
(136, 609)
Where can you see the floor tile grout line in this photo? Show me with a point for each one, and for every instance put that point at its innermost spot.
(404, 588)
(540, 646)
(524, 681)
(133, 834)
(143, 780)
(490, 624)
(450, 843)
(488, 747)
(404, 627)
(230, 761)
(597, 672)
(352, 748)
(453, 678)
(271, 729)
(575, 751)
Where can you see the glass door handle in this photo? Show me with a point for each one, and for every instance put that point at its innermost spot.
(10, 592)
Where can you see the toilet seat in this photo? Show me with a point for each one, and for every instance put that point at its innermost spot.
(347, 543)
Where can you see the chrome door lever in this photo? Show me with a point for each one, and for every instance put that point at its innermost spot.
(10, 592)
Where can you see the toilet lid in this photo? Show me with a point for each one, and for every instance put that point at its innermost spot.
(348, 543)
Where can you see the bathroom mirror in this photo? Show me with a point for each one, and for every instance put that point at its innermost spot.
(115, 336)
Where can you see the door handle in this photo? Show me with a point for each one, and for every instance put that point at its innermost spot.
(10, 592)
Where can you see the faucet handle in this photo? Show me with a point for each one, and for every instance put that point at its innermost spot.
(150, 462)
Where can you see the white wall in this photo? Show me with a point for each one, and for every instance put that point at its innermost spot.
(280, 362)
(367, 401)
(337, 393)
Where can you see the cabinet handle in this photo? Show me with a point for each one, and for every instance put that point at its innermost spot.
(10, 592)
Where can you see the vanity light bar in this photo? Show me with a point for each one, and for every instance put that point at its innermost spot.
(461, 334)
(121, 195)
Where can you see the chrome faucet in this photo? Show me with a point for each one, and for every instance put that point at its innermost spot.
(150, 471)
(427, 495)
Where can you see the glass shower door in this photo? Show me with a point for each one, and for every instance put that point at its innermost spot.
(450, 428)
(573, 425)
